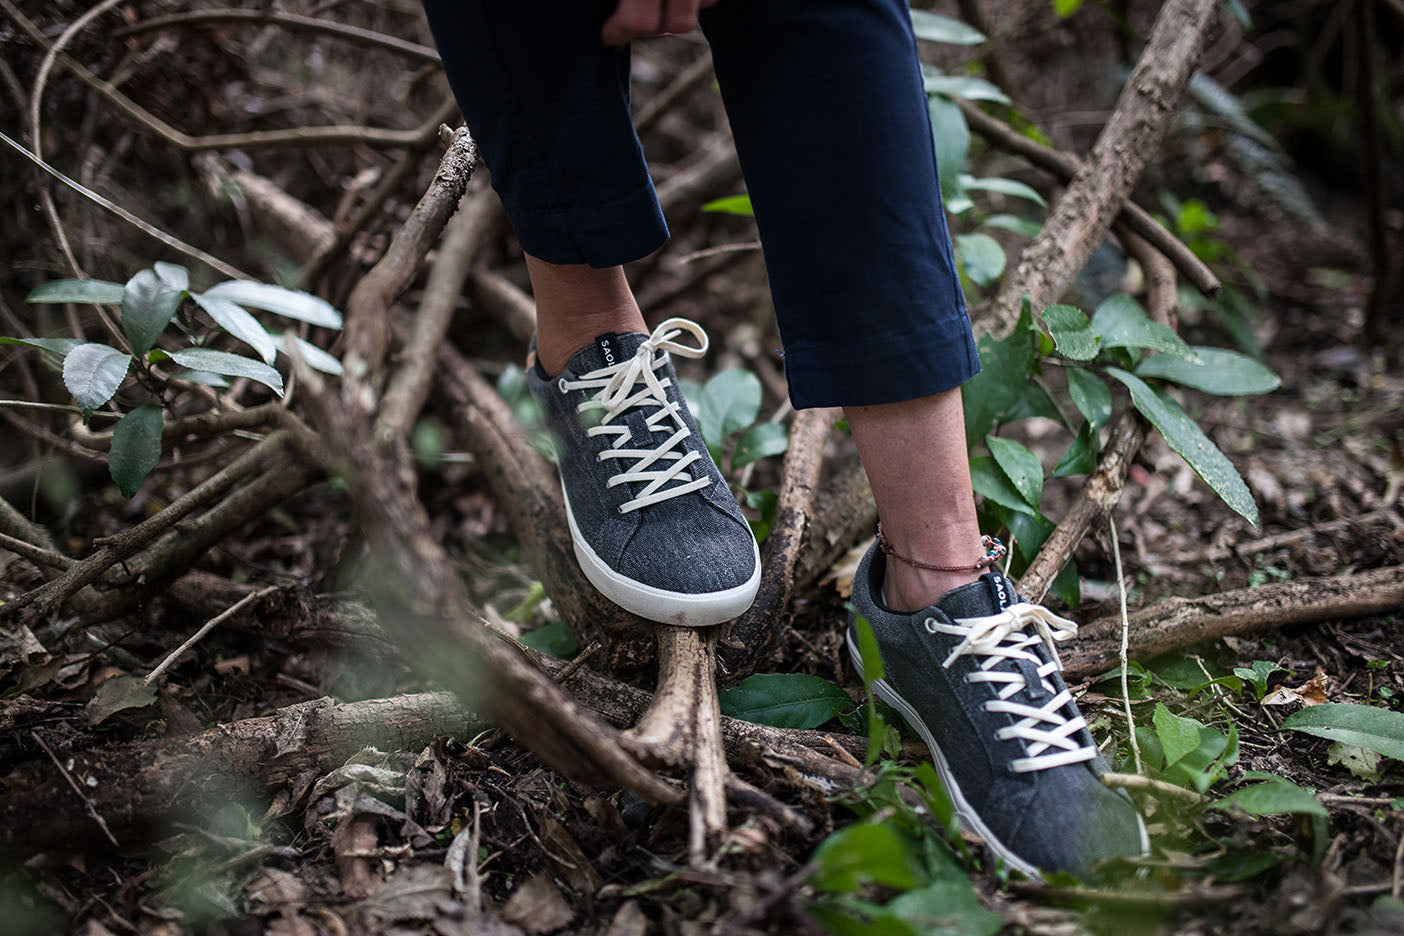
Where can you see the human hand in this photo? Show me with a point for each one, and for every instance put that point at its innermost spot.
(635, 18)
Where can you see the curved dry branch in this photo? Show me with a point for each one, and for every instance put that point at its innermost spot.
(356, 34)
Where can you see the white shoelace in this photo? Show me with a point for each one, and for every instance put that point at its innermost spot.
(1000, 637)
(663, 466)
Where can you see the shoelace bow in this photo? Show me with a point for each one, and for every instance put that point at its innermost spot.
(1001, 637)
(620, 392)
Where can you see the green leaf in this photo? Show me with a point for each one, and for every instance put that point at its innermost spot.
(1221, 372)
(1178, 736)
(1090, 395)
(172, 274)
(951, 136)
(148, 302)
(77, 290)
(990, 482)
(964, 86)
(1009, 222)
(1374, 729)
(862, 854)
(870, 659)
(982, 257)
(1121, 323)
(765, 502)
(553, 638)
(136, 448)
(1272, 798)
(59, 346)
(315, 357)
(936, 28)
(1020, 465)
(1066, 8)
(1081, 456)
(1011, 187)
(230, 365)
(200, 377)
(762, 441)
(785, 700)
(93, 372)
(236, 320)
(730, 401)
(1184, 436)
(731, 204)
(1004, 368)
(947, 906)
(1258, 675)
(1034, 401)
(1360, 762)
(289, 303)
(1072, 333)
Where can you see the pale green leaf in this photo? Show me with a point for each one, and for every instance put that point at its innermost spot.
(136, 448)
(1183, 435)
(1360, 762)
(1011, 187)
(981, 256)
(289, 303)
(1374, 729)
(59, 346)
(1071, 332)
(1221, 372)
(77, 290)
(1090, 395)
(964, 86)
(1275, 797)
(730, 401)
(172, 274)
(936, 28)
(761, 442)
(93, 372)
(948, 907)
(313, 356)
(148, 302)
(1178, 736)
(951, 136)
(237, 321)
(1009, 222)
(1121, 323)
(230, 365)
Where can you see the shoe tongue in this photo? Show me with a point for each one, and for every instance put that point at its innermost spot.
(608, 349)
(991, 594)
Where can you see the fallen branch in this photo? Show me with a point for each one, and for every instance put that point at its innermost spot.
(505, 300)
(1084, 213)
(1179, 622)
(356, 34)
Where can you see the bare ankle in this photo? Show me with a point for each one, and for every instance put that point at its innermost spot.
(906, 589)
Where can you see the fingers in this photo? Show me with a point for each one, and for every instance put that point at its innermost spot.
(635, 18)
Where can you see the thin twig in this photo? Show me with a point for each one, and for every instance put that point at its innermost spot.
(44, 557)
(308, 23)
(208, 626)
(1125, 646)
(1147, 785)
(88, 806)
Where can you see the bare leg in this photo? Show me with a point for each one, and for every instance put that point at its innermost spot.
(576, 303)
(914, 454)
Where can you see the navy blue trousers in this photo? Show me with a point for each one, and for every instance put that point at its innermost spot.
(829, 117)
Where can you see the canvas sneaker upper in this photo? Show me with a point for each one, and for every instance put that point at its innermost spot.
(654, 524)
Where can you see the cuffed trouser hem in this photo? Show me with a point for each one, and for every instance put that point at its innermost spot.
(885, 370)
(602, 236)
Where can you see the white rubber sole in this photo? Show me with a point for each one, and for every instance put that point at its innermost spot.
(963, 809)
(680, 609)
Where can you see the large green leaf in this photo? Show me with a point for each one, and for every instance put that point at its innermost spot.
(1009, 222)
(236, 320)
(77, 290)
(230, 365)
(990, 482)
(1121, 323)
(785, 700)
(762, 441)
(1184, 436)
(730, 401)
(1090, 395)
(947, 906)
(172, 274)
(1274, 797)
(1034, 401)
(315, 357)
(1011, 187)
(964, 86)
(289, 303)
(860, 854)
(1020, 466)
(136, 448)
(951, 135)
(1220, 371)
(1071, 332)
(148, 302)
(1004, 368)
(936, 28)
(1081, 456)
(1178, 736)
(981, 256)
(93, 372)
(1365, 726)
(59, 346)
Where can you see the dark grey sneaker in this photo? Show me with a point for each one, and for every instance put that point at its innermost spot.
(977, 676)
(655, 526)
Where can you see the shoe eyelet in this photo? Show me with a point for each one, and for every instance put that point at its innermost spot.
(930, 625)
(561, 384)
